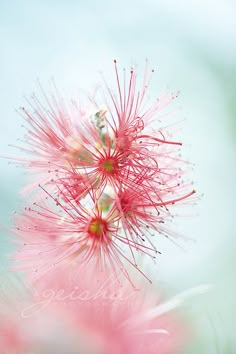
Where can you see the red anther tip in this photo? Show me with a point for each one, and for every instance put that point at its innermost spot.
(115, 61)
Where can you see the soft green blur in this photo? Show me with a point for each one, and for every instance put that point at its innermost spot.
(191, 45)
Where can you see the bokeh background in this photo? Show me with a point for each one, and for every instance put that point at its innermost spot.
(192, 46)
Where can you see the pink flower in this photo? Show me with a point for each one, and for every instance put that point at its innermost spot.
(95, 315)
(140, 216)
(111, 317)
(74, 233)
(114, 145)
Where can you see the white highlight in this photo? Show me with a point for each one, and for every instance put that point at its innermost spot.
(166, 306)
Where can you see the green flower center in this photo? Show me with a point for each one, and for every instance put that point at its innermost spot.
(97, 227)
(109, 165)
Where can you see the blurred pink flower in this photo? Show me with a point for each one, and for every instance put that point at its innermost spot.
(12, 340)
(117, 318)
(96, 315)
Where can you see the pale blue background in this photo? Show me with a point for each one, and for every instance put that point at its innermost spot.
(191, 44)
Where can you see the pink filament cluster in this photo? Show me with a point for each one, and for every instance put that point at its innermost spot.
(109, 177)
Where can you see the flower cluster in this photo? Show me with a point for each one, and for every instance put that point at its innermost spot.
(109, 178)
